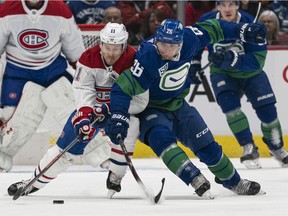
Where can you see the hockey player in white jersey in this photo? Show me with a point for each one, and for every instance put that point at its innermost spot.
(97, 70)
(38, 38)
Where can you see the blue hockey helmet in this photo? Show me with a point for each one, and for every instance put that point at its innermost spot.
(236, 2)
(170, 31)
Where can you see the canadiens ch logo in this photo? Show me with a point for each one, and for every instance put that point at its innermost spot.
(33, 39)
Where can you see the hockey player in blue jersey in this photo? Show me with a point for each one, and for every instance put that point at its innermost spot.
(240, 71)
(163, 67)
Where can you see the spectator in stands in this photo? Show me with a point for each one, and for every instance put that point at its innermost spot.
(281, 10)
(274, 36)
(152, 21)
(134, 13)
(112, 14)
(250, 7)
(89, 11)
(195, 9)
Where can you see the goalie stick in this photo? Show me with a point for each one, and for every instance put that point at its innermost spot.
(199, 73)
(150, 196)
(47, 167)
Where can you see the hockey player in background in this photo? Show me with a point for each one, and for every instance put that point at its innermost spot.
(97, 70)
(34, 34)
(162, 66)
(238, 72)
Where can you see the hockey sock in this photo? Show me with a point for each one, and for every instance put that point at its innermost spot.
(272, 134)
(178, 162)
(225, 172)
(239, 126)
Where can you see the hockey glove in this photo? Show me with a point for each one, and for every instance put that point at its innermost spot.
(102, 114)
(195, 74)
(117, 125)
(225, 60)
(82, 123)
(254, 33)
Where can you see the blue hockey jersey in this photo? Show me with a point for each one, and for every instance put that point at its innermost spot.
(168, 81)
(251, 57)
(89, 12)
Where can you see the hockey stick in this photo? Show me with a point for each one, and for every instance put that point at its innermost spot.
(47, 167)
(150, 196)
(229, 47)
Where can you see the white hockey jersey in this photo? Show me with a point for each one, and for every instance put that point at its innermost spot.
(93, 80)
(34, 38)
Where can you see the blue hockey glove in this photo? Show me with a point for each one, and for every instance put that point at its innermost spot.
(254, 33)
(102, 114)
(82, 123)
(225, 59)
(118, 124)
(194, 72)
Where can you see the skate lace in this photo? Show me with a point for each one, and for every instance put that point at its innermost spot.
(23, 184)
(280, 154)
(115, 179)
(248, 149)
(198, 181)
(243, 187)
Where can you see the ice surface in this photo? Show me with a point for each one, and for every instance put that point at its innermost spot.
(83, 189)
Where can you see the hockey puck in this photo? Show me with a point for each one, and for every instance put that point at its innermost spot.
(58, 201)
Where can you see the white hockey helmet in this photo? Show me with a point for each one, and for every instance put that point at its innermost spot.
(114, 33)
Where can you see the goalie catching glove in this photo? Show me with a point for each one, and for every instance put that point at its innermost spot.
(117, 125)
(82, 121)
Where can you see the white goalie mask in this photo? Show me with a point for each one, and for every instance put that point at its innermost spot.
(114, 33)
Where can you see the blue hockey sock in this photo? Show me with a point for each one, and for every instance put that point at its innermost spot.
(239, 126)
(225, 172)
(272, 134)
(178, 162)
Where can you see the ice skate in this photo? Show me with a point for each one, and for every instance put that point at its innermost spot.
(250, 157)
(113, 184)
(202, 186)
(12, 190)
(281, 156)
(246, 187)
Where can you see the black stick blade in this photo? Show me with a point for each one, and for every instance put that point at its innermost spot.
(158, 196)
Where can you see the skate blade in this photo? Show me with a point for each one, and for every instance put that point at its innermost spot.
(110, 194)
(261, 192)
(207, 195)
(252, 164)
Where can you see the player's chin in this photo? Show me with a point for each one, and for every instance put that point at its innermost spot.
(111, 61)
(167, 58)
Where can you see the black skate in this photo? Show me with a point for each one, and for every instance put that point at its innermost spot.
(250, 157)
(244, 187)
(113, 184)
(202, 186)
(12, 190)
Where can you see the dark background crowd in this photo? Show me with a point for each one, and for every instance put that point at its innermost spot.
(142, 18)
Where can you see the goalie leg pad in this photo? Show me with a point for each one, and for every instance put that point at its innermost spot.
(118, 163)
(58, 167)
(98, 149)
(5, 162)
(25, 120)
(59, 99)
